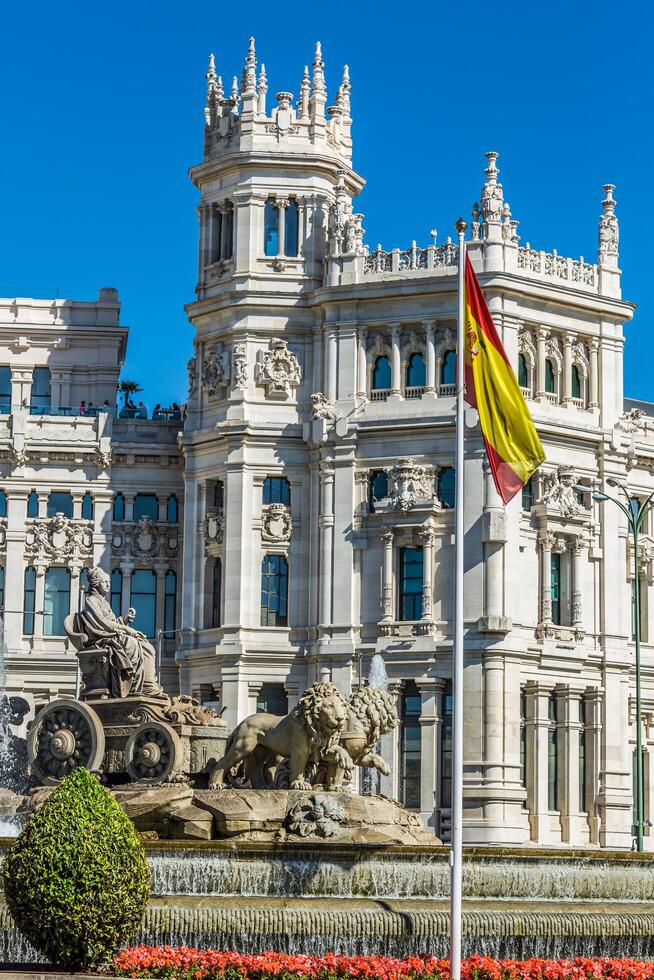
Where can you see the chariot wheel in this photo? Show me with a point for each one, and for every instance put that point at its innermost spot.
(153, 753)
(66, 734)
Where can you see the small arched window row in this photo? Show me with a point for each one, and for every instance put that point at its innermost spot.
(87, 506)
(280, 228)
(415, 379)
(222, 232)
(60, 502)
(447, 375)
(380, 381)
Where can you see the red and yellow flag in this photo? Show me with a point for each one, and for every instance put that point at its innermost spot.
(512, 443)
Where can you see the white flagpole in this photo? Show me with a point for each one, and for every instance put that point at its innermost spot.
(456, 851)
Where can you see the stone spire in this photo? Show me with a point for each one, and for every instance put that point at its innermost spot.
(319, 91)
(609, 231)
(261, 90)
(492, 200)
(345, 90)
(305, 92)
(249, 78)
(211, 103)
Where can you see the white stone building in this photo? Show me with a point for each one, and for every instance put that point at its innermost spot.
(318, 484)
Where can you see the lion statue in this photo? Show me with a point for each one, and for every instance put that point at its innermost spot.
(309, 734)
(371, 713)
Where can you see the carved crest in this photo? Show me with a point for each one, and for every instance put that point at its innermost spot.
(58, 538)
(214, 530)
(276, 524)
(214, 374)
(558, 489)
(410, 483)
(278, 370)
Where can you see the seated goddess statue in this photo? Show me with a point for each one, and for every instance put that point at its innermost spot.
(130, 658)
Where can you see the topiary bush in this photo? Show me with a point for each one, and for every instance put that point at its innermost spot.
(76, 880)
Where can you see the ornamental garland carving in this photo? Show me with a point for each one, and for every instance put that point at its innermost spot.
(3, 535)
(239, 366)
(214, 372)
(558, 489)
(278, 370)
(634, 420)
(276, 524)
(145, 540)
(214, 530)
(58, 538)
(323, 408)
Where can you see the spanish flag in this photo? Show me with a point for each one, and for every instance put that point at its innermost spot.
(512, 443)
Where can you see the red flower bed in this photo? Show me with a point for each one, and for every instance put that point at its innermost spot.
(182, 963)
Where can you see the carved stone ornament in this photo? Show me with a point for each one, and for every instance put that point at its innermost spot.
(276, 524)
(492, 196)
(558, 489)
(634, 420)
(145, 540)
(317, 815)
(609, 231)
(239, 366)
(103, 459)
(410, 483)
(3, 535)
(323, 408)
(214, 529)
(278, 370)
(17, 457)
(192, 370)
(214, 374)
(58, 538)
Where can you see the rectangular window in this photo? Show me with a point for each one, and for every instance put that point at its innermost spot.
(116, 597)
(29, 601)
(170, 604)
(272, 700)
(56, 604)
(410, 747)
(274, 591)
(555, 585)
(528, 494)
(217, 590)
(446, 747)
(146, 505)
(227, 234)
(552, 756)
(410, 604)
(290, 229)
(446, 490)
(5, 390)
(143, 599)
(270, 238)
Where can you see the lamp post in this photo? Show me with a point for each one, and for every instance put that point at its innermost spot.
(635, 511)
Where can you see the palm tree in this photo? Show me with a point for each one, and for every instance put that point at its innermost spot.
(129, 388)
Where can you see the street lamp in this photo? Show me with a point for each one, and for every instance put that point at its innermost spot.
(635, 511)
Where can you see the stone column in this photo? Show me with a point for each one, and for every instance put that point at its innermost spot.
(430, 695)
(541, 334)
(204, 220)
(326, 524)
(129, 505)
(387, 576)
(594, 374)
(330, 360)
(362, 366)
(430, 359)
(574, 827)
(537, 696)
(224, 225)
(546, 539)
(15, 567)
(493, 538)
(426, 538)
(282, 204)
(396, 380)
(593, 704)
(578, 547)
(197, 611)
(568, 341)
(75, 569)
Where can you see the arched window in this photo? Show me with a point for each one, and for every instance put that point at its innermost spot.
(29, 600)
(172, 509)
(143, 599)
(87, 506)
(446, 487)
(33, 504)
(447, 368)
(576, 382)
(3, 503)
(5, 390)
(117, 592)
(216, 593)
(416, 372)
(272, 699)
(377, 487)
(170, 604)
(274, 591)
(41, 394)
(291, 229)
(60, 502)
(119, 507)
(523, 371)
(381, 373)
(270, 235)
(410, 743)
(550, 383)
(276, 490)
(56, 604)
(410, 580)
(146, 505)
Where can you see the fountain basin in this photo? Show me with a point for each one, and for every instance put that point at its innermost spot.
(391, 899)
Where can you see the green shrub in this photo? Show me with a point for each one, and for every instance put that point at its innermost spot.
(76, 880)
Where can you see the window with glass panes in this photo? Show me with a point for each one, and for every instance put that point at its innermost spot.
(528, 494)
(276, 490)
(381, 373)
(116, 594)
(446, 488)
(216, 593)
(170, 603)
(219, 495)
(410, 580)
(5, 390)
(274, 591)
(119, 508)
(29, 600)
(146, 505)
(416, 372)
(60, 502)
(555, 585)
(576, 382)
(143, 599)
(410, 709)
(270, 236)
(291, 229)
(447, 368)
(83, 586)
(3, 503)
(377, 487)
(172, 509)
(87, 506)
(56, 603)
(33, 504)
(552, 754)
(446, 746)
(550, 383)
(2, 588)
(40, 395)
(272, 699)
(523, 371)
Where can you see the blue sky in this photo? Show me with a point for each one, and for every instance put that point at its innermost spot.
(101, 117)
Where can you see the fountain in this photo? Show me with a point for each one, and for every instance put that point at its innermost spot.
(252, 853)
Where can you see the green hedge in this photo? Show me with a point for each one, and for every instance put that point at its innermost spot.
(76, 880)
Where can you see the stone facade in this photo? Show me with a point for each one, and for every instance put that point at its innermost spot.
(317, 451)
